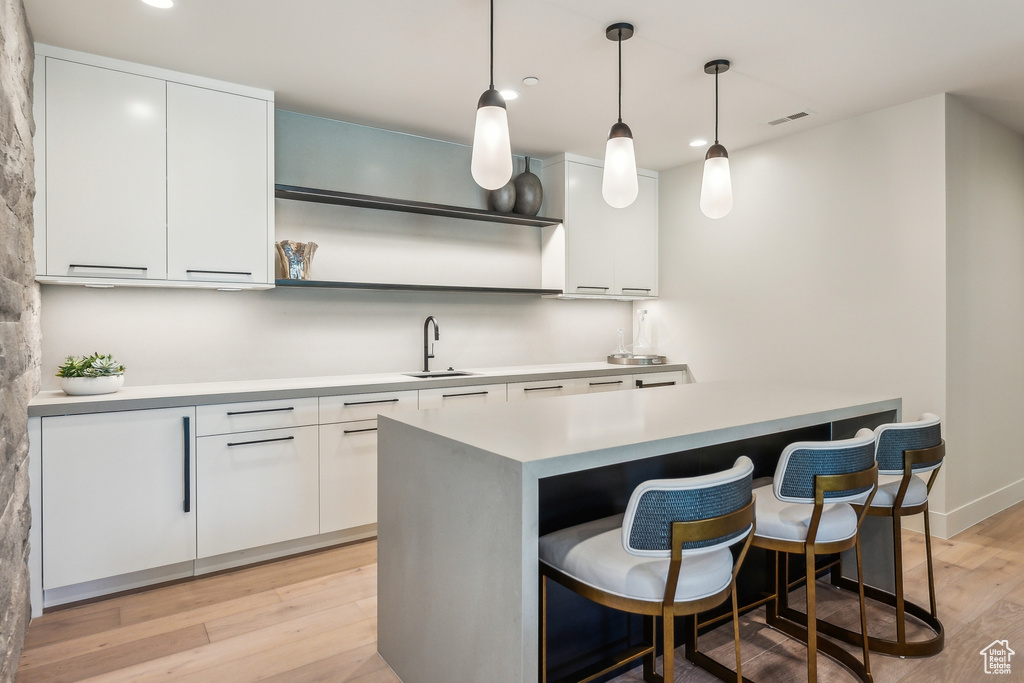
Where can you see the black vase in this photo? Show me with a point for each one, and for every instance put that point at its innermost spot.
(529, 192)
(504, 198)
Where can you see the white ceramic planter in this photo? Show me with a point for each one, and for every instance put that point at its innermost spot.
(90, 386)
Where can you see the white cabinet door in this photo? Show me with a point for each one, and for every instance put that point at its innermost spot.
(596, 385)
(636, 243)
(348, 475)
(217, 186)
(351, 407)
(518, 391)
(118, 494)
(454, 397)
(653, 380)
(256, 488)
(590, 226)
(105, 147)
(251, 416)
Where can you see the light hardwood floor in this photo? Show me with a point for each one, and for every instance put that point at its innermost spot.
(313, 618)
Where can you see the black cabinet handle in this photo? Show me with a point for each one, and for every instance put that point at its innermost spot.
(474, 393)
(249, 443)
(640, 384)
(366, 403)
(637, 289)
(221, 272)
(186, 504)
(542, 388)
(359, 431)
(591, 287)
(264, 410)
(601, 384)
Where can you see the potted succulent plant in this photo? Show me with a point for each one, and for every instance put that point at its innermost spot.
(90, 375)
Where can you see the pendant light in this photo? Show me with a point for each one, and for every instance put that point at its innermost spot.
(619, 185)
(716, 188)
(492, 149)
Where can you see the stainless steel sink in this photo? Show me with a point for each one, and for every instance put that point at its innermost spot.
(438, 373)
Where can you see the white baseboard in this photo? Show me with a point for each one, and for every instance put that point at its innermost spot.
(949, 524)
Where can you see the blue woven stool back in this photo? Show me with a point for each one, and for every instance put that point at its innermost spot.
(893, 439)
(801, 462)
(654, 505)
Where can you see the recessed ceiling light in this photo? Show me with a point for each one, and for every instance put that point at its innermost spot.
(162, 4)
(509, 95)
(531, 80)
(699, 142)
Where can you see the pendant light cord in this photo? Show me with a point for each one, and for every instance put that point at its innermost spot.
(716, 103)
(620, 74)
(492, 44)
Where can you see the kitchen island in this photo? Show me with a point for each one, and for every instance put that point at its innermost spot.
(466, 494)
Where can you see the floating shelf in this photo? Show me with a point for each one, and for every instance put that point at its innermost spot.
(383, 286)
(365, 201)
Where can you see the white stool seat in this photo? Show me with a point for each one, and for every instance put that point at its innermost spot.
(592, 553)
(789, 521)
(917, 493)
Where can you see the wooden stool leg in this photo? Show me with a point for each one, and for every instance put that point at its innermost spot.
(812, 622)
(928, 556)
(863, 609)
(897, 551)
(668, 627)
(651, 636)
(735, 630)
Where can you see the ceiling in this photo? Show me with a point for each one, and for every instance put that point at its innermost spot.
(419, 66)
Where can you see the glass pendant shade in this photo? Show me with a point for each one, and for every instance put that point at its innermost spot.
(619, 185)
(716, 188)
(492, 148)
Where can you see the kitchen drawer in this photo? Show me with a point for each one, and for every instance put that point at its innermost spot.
(453, 397)
(365, 406)
(348, 475)
(518, 391)
(227, 418)
(256, 488)
(651, 380)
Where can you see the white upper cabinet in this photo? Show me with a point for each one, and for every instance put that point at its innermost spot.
(149, 177)
(105, 159)
(217, 185)
(598, 251)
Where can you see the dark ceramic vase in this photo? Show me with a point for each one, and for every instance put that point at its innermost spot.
(504, 198)
(529, 193)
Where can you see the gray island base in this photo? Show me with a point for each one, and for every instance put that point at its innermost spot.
(465, 494)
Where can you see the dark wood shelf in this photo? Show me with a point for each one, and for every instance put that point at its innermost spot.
(365, 201)
(390, 287)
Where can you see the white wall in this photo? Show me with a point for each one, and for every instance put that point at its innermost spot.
(829, 271)
(985, 314)
(172, 336)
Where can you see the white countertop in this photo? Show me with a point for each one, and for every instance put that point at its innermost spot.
(172, 395)
(579, 432)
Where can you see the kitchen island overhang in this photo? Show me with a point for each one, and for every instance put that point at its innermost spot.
(464, 495)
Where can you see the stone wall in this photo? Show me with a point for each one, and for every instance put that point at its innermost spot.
(19, 326)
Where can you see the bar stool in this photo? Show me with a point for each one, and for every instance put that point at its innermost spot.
(905, 449)
(669, 555)
(807, 510)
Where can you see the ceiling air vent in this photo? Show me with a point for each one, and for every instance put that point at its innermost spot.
(791, 117)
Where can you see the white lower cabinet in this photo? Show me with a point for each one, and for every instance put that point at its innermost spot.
(257, 488)
(454, 397)
(119, 493)
(519, 391)
(348, 475)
